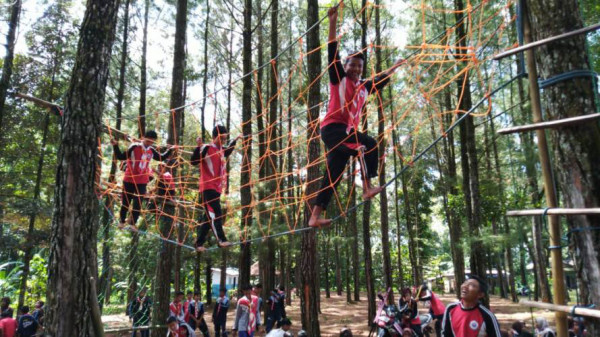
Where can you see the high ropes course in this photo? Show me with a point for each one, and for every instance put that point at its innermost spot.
(414, 109)
(414, 97)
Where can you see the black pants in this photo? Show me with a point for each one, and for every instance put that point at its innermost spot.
(334, 136)
(416, 328)
(220, 329)
(438, 324)
(212, 218)
(133, 194)
(201, 326)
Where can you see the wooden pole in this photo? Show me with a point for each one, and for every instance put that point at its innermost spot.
(551, 124)
(40, 102)
(555, 211)
(562, 308)
(558, 279)
(531, 45)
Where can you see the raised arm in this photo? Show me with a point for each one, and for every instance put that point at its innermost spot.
(383, 78)
(336, 69)
(118, 154)
(229, 149)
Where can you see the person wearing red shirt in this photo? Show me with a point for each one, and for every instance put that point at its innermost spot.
(211, 160)
(8, 325)
(339, 128)
(468, 318)
(137, 174)
(436, 307)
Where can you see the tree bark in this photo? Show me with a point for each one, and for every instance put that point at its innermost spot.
(383, 200)
(309, 290)
(470, 163)
(246, 189)
(72, 305)
(368, 261)
(7, 66)
(165, 256)
(205, 73)
(143, 72)
(575, 148)
(208, 275)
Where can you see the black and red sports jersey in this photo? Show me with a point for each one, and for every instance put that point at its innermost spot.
(138, 159)
(473, 322)
(210, 159)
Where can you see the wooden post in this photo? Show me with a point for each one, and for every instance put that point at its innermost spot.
(554, 211)
(529, 45)
(550, 124)
(558, 280)
(562, 308)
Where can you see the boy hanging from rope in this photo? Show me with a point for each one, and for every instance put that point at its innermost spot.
(211, 161)
(137, 174)
(339, 128)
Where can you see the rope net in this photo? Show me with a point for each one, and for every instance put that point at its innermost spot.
(415, 107)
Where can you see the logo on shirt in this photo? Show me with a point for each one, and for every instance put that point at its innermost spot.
(473, 325)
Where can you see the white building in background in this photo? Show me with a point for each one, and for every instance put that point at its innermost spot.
(231, 279)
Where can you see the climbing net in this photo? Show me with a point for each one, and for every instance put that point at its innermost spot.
(416, 107)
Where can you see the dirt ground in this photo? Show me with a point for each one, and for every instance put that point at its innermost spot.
(337, 314)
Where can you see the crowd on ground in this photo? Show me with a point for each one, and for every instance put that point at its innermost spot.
(187, 311)
(27, 324)
(464, 318)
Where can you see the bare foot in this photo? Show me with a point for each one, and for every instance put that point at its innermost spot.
(200, 249)
(371, 192)
(318, 222)
(224, 244)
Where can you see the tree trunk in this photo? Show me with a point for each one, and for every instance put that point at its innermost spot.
(245, 188)
(197, 271)
(309, 291)
(383, 202)
(397, 201)
(470, 164)
(205, 73)
(72, 304)
(576, 151)
(522, 266)
(538, 255)
(8, 57)
(165, 255)
(352, 220)
(338, 269)
(208, 275)
(143, 72)
(326, 262)
(272, 136)
(368, 261)
(508, 258)
(455, 225)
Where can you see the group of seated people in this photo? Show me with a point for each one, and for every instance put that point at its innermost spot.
(543, 329)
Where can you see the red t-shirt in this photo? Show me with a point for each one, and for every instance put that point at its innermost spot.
(461, 322)
(346, 100)
(8, 326)
(138, 159)
(210, 159)
(347, 97)
(437, 307)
